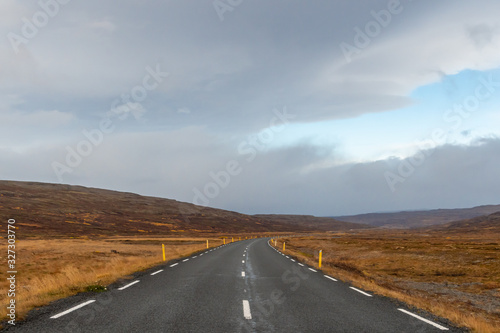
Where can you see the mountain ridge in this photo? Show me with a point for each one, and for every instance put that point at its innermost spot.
(45, 209)
(419, 218)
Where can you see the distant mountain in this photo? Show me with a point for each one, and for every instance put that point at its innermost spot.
(489, 223)
(42, 209)
(313, 222)
(419, 219)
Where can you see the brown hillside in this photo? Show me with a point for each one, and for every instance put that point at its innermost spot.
(313, 222)
(485, 224)
(64, 210)
(419, 219)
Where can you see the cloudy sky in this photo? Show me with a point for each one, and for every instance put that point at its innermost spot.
(306, 107)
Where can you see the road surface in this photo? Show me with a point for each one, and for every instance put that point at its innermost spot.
(246, 286)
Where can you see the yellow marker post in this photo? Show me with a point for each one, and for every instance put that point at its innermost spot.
(207, 243)
(320, 255)
(224, 241)
(232, 239)
(163, 250)
(283, 246)
(239, 238)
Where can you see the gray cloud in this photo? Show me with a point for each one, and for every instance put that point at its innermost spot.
(299, 179)
(452, 176)
(225, 78)
(482, 34)
(263, 54)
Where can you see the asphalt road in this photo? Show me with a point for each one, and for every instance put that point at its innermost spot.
(245, 286)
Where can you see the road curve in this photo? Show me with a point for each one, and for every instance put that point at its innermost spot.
(245, 286)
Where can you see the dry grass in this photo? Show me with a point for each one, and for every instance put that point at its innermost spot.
(453, 277)
(52, 269)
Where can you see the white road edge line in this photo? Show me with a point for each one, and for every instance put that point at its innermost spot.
(329, 277)
(161, 270)
(243, 261)
(246, 310)
(243, 274)
(185, 260)
(442, 328)
(313, 270)
(128, 285)
(292, 260)
(174, 264)
(72, 309)
(301, 264)
(361, 292)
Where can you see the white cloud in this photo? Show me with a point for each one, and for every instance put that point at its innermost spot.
(38, 119)
(11, 12)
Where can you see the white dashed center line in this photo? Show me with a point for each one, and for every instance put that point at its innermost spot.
(243, 261)
(292, 260)
(129, 285)
(301, 265)
(72, 309)
(442, 328)
(243, 274)
(161, 270)
(185, 260)
(312, 270)
(329, 277)
(174, 264)
(361, 292)
(246, 310)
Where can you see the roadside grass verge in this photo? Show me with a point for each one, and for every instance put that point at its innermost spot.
(50, 269)
(454, 278)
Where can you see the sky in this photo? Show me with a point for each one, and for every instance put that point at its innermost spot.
(324, 108)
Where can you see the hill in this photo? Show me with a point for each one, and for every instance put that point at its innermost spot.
(313, 222)
(489, 223)
(42, 209)
(419, 219)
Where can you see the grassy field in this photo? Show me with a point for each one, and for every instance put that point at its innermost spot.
(456, 277)
(49, 269)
